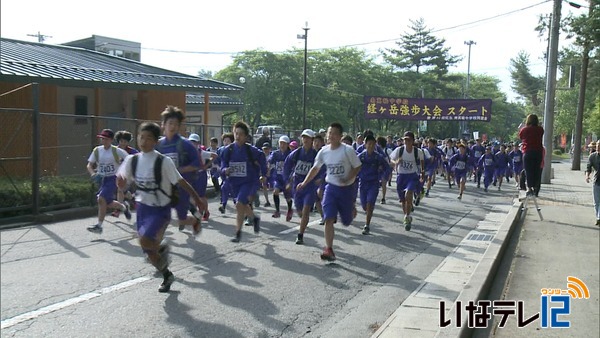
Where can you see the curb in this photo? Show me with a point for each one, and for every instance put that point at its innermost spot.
(485, 271)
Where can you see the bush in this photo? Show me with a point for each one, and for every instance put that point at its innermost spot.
(557, 151)
(54, 191)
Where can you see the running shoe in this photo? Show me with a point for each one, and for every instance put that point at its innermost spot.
(498, 188)
(288, 216)
(256, 224)
(197, 227)
(166, 284)
(97, 229)
(427, 194)
(181, 227)
(277, 214)
(222, 209)
(459, 196)
(322, 222)
(300, 239)
(206, 216)
(485, 189)
(116, 213)
(407, 222)
(383, 201)
(417, 199)
(328, 255)
(237, 237)
(127, 212)
(366, 230)
(247, 222)
(267, 204)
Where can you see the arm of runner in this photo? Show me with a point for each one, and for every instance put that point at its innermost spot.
(309, 177)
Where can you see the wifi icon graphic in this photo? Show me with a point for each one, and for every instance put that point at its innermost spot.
(577, 288)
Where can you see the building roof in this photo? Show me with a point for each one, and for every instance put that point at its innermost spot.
(31, 61)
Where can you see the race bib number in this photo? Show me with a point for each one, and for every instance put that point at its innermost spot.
(106, 169)
(478, 154)
(406, 165)
(488, 162)
(279, 167)
(517, 159)
(302, 168)
(336, 170)
(237, 169)
(460, 165)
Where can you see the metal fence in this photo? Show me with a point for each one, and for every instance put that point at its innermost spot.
(43, 158)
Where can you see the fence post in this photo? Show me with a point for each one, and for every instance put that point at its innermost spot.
(35, 151)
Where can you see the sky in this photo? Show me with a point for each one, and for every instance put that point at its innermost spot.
(189, 36)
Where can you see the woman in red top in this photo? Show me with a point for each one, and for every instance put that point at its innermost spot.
(532, 148)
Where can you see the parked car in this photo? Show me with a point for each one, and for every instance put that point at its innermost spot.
(275, 132)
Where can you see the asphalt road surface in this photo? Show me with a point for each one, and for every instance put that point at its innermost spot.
(59, 280)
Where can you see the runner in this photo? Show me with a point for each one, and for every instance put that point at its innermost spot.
(226, 140)
(154, 209)
(297, 165)
(408, 161)
(269, 181)
(276, 162)
(342, 167)
(123, 138)
(488, 163)
(432, 163)
(206, 158)
(103, 163)
(386, 176)
(373, 165)
(461, 163)
(502, 162)
(477, 151)
(448, 151)
(516, 160)
(185, 156)
(245, 167)
(318, 143)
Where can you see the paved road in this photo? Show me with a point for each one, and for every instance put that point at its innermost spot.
(58, 280)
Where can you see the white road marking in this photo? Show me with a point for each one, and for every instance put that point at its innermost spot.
(66, 303)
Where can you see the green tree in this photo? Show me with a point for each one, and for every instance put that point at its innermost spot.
(524, 83)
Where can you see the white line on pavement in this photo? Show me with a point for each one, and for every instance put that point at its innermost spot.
(296, 228)
(66, 303)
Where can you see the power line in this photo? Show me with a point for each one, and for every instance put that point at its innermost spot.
(355, 44)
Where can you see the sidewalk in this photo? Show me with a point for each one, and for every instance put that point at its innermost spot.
(565, 243)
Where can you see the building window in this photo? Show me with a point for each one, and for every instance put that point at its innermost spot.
(81, 105)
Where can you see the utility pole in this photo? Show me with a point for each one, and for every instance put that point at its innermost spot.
(468, 43)
(550, 92)
(41, 37)
(576, 165)
(305, 37)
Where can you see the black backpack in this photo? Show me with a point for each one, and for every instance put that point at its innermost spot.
(173, 196)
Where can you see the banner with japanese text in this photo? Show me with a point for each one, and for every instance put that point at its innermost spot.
(378, 107)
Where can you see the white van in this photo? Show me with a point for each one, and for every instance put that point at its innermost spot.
(274, 132)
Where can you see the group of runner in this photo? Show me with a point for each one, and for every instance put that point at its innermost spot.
(328, 172)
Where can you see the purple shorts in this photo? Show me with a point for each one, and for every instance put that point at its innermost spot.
(336, 200)
(280, 184)
(460, 174)
(500, 171)
(242, 192)
(152, 220)
(368, 193)
(406, 182)
(108, 189)
(305, 197)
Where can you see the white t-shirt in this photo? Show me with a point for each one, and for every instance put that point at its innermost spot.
(144, 178)
(339, 162)
(107, 166)
(408, 164)
(205, 155)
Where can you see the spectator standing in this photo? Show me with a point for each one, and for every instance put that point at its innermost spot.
(531, 146)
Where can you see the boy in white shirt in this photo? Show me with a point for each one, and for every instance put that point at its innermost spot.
(103, 163)
(408, 165)
(154, 197)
